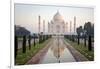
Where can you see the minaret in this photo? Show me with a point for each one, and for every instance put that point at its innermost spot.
(39, 24)
(44, 26)
(66, 26)
(51, 27)
(48, 27)
(74, 24)
(70, 27)
(64, 29)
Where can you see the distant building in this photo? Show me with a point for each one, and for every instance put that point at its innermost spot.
(57, 25)
(21, 31)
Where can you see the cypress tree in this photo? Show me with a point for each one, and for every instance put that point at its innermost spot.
(29, 42)
(16, 45)
(24, 44)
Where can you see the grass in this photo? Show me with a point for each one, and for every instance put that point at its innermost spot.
(83, 50)
(22, 58)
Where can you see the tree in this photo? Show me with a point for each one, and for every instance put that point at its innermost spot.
(79, 30)
(34, 38)
(16, 46)
(92, 30)
(24, 44)
(84, 36)
(88, 28)
(29, 42)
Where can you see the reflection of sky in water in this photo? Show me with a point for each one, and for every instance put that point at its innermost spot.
(53, 52)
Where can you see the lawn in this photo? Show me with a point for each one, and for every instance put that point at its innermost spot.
(82, 49)
(22, 58)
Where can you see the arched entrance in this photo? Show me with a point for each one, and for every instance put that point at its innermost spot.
(58, 29)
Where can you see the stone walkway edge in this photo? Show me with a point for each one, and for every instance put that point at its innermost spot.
(35, 59)
(77, 55)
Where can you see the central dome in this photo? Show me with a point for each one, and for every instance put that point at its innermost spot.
(58, 17)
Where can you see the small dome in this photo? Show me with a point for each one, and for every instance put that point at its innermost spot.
(58, 17)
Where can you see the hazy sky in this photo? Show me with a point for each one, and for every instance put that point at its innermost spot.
(27, 15)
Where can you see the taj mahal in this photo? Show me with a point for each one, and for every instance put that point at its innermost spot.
(57, 25)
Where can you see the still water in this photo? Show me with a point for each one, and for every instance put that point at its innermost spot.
(58, 52)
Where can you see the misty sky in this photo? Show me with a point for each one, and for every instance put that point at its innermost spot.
(27, 15)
